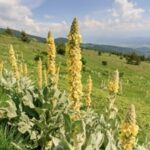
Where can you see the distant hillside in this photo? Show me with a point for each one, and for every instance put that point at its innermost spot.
(61, 40)
(106, 48)
(17, 34)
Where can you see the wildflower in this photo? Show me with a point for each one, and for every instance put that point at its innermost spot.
(113, 85)
(129, 130)
(14, 63)
(45, 77)
(51, 49)
(25, 67)
(40, 77)
(74, 65)
(49, 144)
(88, 92)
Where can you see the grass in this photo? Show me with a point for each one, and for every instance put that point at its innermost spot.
(8, 138)
(135, 80)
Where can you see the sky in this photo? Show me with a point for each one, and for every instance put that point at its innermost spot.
(99, 20)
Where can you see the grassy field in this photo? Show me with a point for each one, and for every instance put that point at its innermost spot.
(135, 79)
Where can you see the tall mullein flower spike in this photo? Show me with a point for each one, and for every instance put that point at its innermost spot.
(74, 65)
(51, 49)
(1, 68)
(45, 77)
(25, 69)
(113, 85)
(88, 92)
(40, 76)
(57, 75)
(129, 130)
(13, 62)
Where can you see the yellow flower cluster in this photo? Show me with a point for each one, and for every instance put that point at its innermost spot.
(74, 66)
(49, 145)
(45, 77)
(14, 63)
(88, 92)
(129, 130)
(40, 76)
(23, 69)
(1, 68)
(51, 49)
(113, 85)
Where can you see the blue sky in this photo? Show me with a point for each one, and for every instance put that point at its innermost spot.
(99, 20)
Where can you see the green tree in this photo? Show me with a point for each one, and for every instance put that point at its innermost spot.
(61, 49)
(133, 59)
(24, 37)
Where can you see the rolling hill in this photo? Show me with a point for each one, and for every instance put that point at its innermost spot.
(98, 47)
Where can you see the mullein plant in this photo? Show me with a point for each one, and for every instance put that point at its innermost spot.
(113, 88)
(57, 76)
(45, 77)
(74, 66)
(40, 74)
(51, 50)
(14, 64)
(129, 130)
(110, 119)
(88, 92)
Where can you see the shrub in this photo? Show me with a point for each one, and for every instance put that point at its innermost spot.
(24, 37)
(83, 61)
(104, 63)
(61, 49)
(99, 53)
(133, 59)
(38, 57)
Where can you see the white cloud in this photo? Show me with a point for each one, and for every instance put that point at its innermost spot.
(91, 23)
(124, 17)
(14, 14)
(126, 9)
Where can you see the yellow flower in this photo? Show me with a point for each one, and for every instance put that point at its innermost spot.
(113, 85)
(40, 77)
(51, 49)
(127, 147)
(45, 77)
(74, 65)
(129, 130)
(14, 63)
(25, 67)
(88, 92)
(49, 144)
